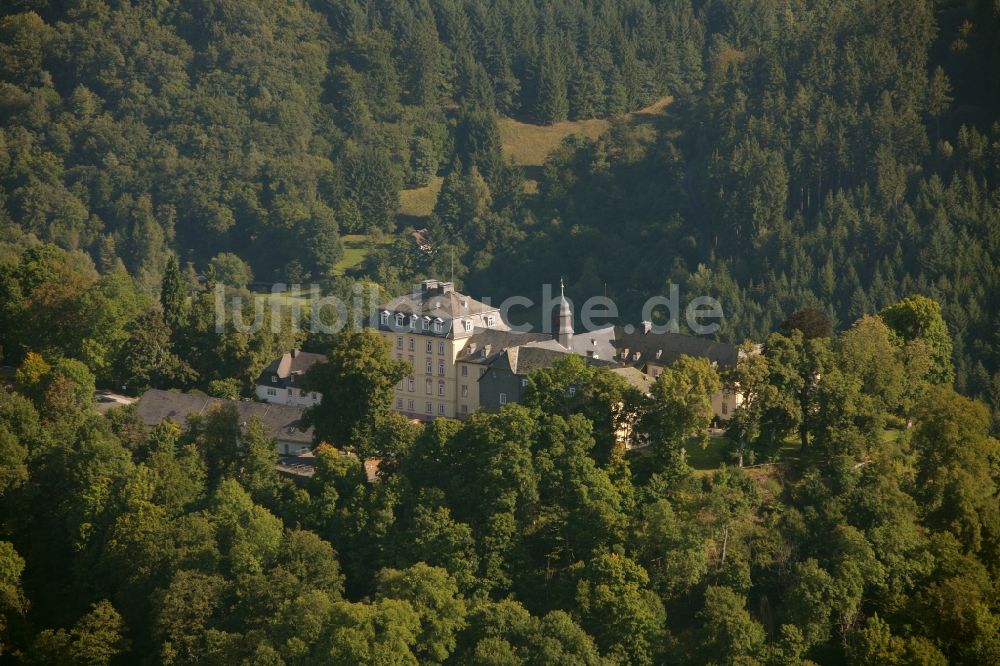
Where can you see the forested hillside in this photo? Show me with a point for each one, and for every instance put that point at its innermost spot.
(842, 155)
(269, 128)
(527, 537)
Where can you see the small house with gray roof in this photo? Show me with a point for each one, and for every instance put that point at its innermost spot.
(283, 422)
(281, 381)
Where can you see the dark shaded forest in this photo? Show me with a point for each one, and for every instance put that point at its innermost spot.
(841, 155)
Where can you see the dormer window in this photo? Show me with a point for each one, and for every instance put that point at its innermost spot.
(400, 320)
(464, 303)
(635, 356)
(384, 318)
(490, 320)
(274, 379)
(659, 353)
(425, 323)
(438, 326)
(413, 322)
(467, 325)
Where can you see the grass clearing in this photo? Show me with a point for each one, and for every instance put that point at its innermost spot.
(418, 203)
(530, 145)
(356, 248)
(287, 299)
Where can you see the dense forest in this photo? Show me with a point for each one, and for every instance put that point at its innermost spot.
(524, 537)
(839, 160)
(841, 155)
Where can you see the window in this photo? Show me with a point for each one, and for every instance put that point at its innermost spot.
(464, 409)
(399, 403)
(410, 383)
(465, 371)
(271, 391)
(503, 398)
(440, 348)
(440, 388)
(572, 390)
(524, 381)
(302, 393)
(482, 371)
(412, 344)
(289, 393)
(467, 325)
(399, 342)
(274, 379)
(490, 320)
(429, 365)
(409, 404)
(400, 319)
(441, 368)
(465, 391)
(725, 408)
(441, 409)
(429, 408)
(413, 322)
(430, 347)
(427, 387)
(438, 326)
(384, 318)
(424, 324)
(314, 396)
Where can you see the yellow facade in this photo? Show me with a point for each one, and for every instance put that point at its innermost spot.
(432, 390)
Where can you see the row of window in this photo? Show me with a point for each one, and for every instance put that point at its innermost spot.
(428, 407)
(302, 394)
(425, 323)
(412, 345)
(411, 384)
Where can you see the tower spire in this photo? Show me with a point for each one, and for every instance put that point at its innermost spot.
(564, 318)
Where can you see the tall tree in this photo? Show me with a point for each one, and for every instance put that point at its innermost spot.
(174, 295)
(356, 381)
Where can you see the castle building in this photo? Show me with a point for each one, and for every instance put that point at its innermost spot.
(449, 340)
(452, 341)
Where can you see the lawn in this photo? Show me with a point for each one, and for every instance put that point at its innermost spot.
(529, 145)
(287, 299)
(417, 204)
(355, 250)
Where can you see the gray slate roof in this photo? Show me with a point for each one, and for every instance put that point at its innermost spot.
(666, 348)
(438, 301)
(282, 421)
(525, 359)
(281, 371)
(495, 341)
